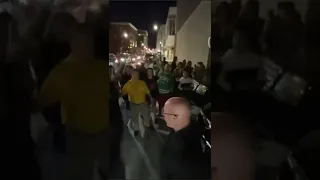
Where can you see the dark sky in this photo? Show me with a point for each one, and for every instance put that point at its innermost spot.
(142, 14)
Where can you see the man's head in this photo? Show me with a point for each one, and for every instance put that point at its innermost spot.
(60, 26)
(251, 9)
(175, 59)
(167, 68)
(128, 69)
(177, 113)
(189, 64)
(232, 148)
(135, 74)
(82, 42)
(185, 74)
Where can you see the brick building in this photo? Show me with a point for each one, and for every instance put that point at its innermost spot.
(122, 38)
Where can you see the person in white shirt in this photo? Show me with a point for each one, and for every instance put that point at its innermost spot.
(240, 57)
(185, 79)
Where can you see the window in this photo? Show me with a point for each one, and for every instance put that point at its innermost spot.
(172, 26)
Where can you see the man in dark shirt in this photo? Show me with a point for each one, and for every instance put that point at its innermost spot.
(183, 155)
(174, 63)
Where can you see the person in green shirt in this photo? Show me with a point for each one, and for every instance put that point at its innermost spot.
(165, 86)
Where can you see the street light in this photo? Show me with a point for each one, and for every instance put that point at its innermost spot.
(155, 27)
(125, 35)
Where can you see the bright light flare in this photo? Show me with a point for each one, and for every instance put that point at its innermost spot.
(122, 59)
(133, 59)
(155, 27)
(125, 35)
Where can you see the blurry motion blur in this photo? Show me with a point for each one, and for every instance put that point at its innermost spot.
(260, 80)
(77, 83)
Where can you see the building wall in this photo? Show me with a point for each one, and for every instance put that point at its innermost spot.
(117, 42)
(184, 10)
(192, 37)
(161, 35)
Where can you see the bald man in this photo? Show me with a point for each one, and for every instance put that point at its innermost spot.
(232, 148)
(182, 156)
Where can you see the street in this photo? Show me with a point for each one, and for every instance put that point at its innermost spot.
(141, 156)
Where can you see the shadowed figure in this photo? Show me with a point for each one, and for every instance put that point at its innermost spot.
(232, 148)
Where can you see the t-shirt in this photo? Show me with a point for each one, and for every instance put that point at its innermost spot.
(233, 60)
(82, 88)
(166, 83)
(136, 90)
(184, 80)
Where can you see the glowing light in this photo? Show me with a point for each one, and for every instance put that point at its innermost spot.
(125, 35)
(155, 27)
(122, 59)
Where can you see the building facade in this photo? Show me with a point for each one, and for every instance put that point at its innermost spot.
(161, 38)
(143, 38)
(142, 41)
(193, 30)
(170, 33)
(123, 38)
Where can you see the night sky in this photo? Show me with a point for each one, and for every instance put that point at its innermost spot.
(142, 14)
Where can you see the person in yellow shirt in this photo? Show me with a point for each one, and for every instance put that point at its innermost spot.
(81, 84)
(137, 91)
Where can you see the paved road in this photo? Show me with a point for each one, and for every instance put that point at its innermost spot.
(140, 156)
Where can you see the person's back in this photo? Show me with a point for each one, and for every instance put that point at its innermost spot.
(82, 89)
(166, 81)
(185, 146)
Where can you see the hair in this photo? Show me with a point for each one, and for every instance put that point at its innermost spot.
(186, 71)
(83, 29)
(135, 71)
(64, 16)
(150, 69)
(223, 7)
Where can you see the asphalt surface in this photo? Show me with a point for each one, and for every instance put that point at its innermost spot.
(141, 155)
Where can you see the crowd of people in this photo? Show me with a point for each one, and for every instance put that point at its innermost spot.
(245, 47)
(59, 68)
(242, 40)
(158, 81)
